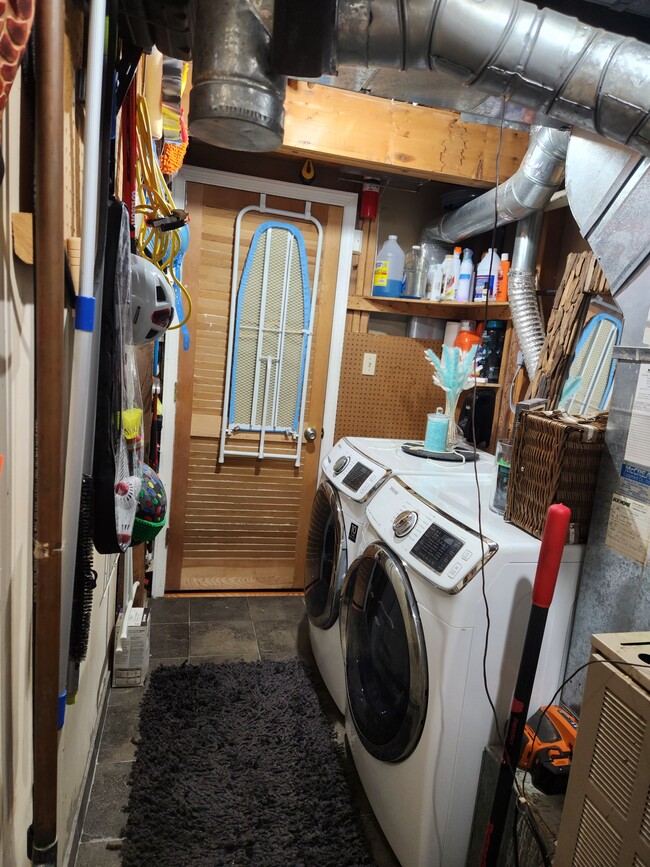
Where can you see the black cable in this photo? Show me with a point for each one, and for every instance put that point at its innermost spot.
(486, 685)
(546, 858)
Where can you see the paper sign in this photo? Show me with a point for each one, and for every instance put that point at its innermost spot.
(628, 531)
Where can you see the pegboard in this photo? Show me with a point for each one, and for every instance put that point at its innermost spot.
(395, 401)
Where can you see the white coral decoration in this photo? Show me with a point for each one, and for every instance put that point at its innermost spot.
(453, 369)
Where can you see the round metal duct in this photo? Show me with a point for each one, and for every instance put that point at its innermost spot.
(235, 102)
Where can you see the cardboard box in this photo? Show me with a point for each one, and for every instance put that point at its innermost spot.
(131, 664)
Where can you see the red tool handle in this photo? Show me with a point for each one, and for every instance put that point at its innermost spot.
(550, 555)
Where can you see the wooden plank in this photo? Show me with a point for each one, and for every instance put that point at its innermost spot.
(316, 398)
(355, 129)
(270, 576)
(185, 389)
(440, 309)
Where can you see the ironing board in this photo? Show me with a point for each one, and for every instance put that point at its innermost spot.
(269, 336)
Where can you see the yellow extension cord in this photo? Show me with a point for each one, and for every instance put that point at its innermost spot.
(154, 200)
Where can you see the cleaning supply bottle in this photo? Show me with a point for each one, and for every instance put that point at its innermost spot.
(448, 279)
(502, 279)
(486, 276)
(434, 282)
(467, 336)
(389, 269)
(465, 277)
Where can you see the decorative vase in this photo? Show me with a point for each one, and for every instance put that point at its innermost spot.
(452, 429)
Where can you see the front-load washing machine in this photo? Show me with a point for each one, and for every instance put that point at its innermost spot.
(338, 514)
(413, 625)
(352, 473)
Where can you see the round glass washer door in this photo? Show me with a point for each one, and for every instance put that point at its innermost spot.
(327, 557)
(385, 656)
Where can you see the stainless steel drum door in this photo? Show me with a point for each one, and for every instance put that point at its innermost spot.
(385, 656)
(327, 559)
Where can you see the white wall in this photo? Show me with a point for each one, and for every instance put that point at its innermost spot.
(16, 482)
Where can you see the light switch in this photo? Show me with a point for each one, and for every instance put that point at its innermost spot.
(357, 243)
(369, 363)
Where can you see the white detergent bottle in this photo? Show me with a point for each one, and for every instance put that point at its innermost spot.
(487, 272)
(389, 269)
(448, 279)
(465, 276)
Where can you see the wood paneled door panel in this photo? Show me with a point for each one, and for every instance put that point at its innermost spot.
(242, 524)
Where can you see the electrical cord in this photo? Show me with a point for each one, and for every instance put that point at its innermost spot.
(486, 684)
(522, 800)
(155, 201)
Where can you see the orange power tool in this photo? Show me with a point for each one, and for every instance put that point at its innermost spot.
(547, 756)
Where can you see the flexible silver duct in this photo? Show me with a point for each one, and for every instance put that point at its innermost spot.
(538, 58)
(235, 102)
(524, 307)
(540, 174)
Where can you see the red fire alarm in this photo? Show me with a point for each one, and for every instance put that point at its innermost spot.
(369, 199)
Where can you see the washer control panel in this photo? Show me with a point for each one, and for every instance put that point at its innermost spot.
(432, 542)
(353, 473)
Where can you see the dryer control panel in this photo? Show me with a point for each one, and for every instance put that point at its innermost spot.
(353, 473)
(428, 539)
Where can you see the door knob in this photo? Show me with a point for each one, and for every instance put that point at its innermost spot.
(310, 434)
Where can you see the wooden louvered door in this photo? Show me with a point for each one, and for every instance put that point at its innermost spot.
(242, 524)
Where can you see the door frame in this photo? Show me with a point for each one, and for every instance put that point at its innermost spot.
(320, 195)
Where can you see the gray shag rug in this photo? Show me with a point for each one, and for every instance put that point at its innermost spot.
(237, 765)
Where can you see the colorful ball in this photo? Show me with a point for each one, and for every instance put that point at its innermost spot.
(152, 500)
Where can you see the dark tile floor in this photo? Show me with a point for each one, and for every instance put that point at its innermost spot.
(200, 630)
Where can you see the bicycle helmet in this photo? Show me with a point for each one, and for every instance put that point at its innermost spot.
(152, 300)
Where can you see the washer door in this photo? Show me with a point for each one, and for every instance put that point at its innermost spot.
(327, 557)
(385, 656)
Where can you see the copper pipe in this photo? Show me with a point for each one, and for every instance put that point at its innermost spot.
(49, 292)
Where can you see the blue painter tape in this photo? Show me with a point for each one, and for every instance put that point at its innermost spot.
(61, 713)
(84, 313)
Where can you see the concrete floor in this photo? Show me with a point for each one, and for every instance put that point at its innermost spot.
(201, 630)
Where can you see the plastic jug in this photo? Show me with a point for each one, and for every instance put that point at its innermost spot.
(465, 277)
(389, 269)
(487, 271)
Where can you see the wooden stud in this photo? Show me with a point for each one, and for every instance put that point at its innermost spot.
(355, 129)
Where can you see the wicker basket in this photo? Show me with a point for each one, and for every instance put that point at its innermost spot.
(555, 459)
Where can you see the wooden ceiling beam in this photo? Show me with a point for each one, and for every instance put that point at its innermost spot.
(354, 129)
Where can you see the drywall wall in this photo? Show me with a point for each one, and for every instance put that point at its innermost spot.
(16, 483)
(16, 515)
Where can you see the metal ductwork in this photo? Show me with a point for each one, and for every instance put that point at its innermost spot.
(540, 174)
(538, 58)
(522, 294)
(236, 101)
(522, 197)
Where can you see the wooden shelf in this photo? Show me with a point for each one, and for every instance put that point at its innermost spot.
(440, 309)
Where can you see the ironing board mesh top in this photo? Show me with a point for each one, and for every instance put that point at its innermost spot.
(260, 331)
(599, 344)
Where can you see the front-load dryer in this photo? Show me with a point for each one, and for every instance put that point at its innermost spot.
(413, 624)
(391, 453)
(349, 480)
